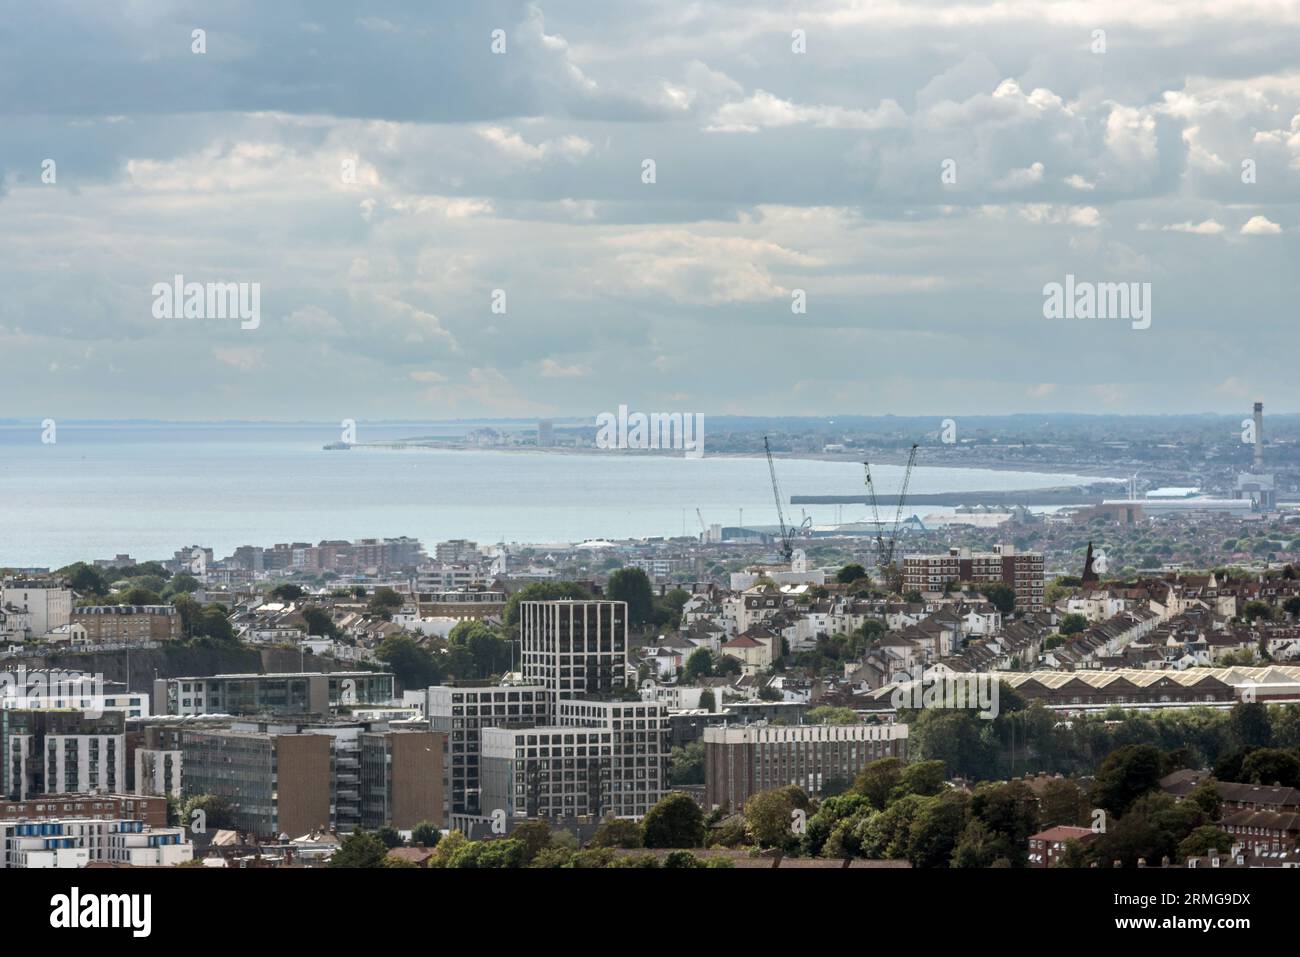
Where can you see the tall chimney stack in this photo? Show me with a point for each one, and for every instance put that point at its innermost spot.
(1259, 437)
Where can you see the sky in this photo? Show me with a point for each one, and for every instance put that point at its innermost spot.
(446, 221)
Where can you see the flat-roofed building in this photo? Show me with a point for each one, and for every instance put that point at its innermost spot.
(462, 713)
(574, 648)
(287, 693)
(401, 778)
(1021, 571)
(739, 762)
(273, 783)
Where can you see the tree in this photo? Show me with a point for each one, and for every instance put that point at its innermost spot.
(360, 849)
(319, 623)
(84, 579)
(1062, 802)
(1269, 766)
(413, 665)
(925, 778)
(1257, 611)
(287, 592)
(632, 586)
(618, 832)
(215, 813)
(829, 714)
(707, 701)
(698, 665)
(542, 591)
(768, 816)
(1250, 724)
(182, 584)
(1073, 624)
(487, 653)
(675, 821)
(1125, 775)
(388, 834)
(934, 832)
(533, 837)
(426, 834)
(1000, 595)
(1199, 842)
(384, 602)
(686, 764)
(850, 573)
(877, 780)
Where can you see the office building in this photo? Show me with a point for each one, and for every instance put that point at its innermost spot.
(298, 693)
(274, 783)
(401, 778)
(739, 762)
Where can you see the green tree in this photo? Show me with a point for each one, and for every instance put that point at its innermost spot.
(1199, 842)
(384, 602)
(541, 591)
(686, 764)
(877, 780)
(426, 834)
(675, 821)
(1269, 766)
(1001, 596)
(414, 666)
(768, 816)
(360, 849)
(1126, 775)
(698, 665)
(1073, 624)
(388, 834)
(707, 700)
(632, 586)
(213, 813)
(618, 832)
(287, 592)
(829, 714)
(850, 573)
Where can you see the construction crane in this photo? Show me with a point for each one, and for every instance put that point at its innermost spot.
(787, 534)
(902, 498)
(704, 532)
(885, 549)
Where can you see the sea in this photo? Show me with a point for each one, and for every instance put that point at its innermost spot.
(90, 490)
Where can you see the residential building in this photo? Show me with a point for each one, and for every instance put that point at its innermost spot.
(574, 648)
(48, 603)
(128, 623)
(78, 842)
(62, 752)
(741, 761)
(1021, 571)
(1046, 847)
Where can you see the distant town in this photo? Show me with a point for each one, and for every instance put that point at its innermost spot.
(1107, 684)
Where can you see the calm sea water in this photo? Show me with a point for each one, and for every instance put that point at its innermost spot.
(150, 489)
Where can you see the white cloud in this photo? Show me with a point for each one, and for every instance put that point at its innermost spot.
(1260, 226)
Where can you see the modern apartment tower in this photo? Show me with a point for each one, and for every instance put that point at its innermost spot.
(565, 744)
(574, 648)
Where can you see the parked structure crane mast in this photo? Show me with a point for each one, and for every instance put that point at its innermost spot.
(787, 534)
(885, 547)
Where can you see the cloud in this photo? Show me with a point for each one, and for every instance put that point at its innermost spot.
(550, 369)
(1208, 227)
(762, 110)
(1260, 226)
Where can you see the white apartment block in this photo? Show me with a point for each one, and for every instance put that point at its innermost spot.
(50, 606)
(77, 842)
(85, 763)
